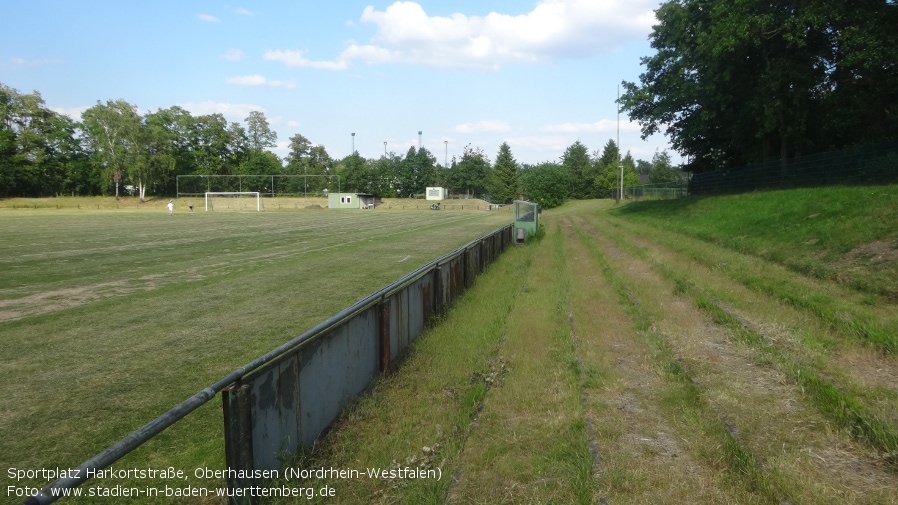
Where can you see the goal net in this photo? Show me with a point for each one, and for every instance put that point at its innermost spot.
(233, 200)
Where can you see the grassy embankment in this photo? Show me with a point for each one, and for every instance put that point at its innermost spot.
(719, 350)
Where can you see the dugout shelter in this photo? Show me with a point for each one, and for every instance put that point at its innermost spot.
(353, 201)
(526, 220)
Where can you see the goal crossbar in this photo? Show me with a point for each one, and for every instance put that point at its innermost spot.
(257, 194)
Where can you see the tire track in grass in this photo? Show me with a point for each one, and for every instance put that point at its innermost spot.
(643, 456)
(850, 383)
(795, 453)
(529, 445)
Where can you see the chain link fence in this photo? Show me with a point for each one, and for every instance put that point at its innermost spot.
(870, 164)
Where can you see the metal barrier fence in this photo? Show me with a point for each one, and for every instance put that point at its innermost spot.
(871, 164)
(660, 191)
(288, 397)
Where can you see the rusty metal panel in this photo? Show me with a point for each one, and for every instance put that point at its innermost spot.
(427, 296)
(235, 401)
(473, 266)
(417, 300)
(275, 414)
(456, 278)
(398, 326)
(335, 369)
(386, 354)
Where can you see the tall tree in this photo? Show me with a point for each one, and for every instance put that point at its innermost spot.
(746, 81)
(321, 163)
(415, 172)
(113, 132)
(259, 137)
(471, 173)
(576, 160)
(355, 174)
(547, 184)
(258, 133)
(162, 143)
(506, 176)
(609, 165)
(663, 172)
(40, 153)
(298, 164)
(383, 174)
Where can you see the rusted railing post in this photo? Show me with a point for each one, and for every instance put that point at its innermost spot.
(238, 437)
(385, 336)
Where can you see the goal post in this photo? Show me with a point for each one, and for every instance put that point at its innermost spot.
(256, 194)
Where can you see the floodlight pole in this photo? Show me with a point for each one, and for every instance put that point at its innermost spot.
(620, 197)
(419, 139)
(353, 144)
(446, 156)
(385, 148)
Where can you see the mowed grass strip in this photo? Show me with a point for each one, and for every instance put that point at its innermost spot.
(645, 453)
(684, 406)
(111, 318)
(529, 444)
(846, 237)
(851, 382)
(769, 404)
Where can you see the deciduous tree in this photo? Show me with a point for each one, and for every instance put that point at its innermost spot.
(746, 81)
(547, 184)
(114, 135)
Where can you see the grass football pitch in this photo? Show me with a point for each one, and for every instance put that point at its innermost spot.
(108, 318)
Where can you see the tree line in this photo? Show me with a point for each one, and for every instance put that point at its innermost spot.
(737, 82)
(114, 149)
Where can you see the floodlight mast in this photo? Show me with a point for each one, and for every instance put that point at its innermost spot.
(621, 195)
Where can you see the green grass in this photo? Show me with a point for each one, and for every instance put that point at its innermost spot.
(110, 318)
(681, 395)
(844, 404)
(713, 349)
(628, 381)
(844, 234)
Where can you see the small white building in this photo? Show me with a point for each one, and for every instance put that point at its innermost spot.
(436, 193)
(352, 201)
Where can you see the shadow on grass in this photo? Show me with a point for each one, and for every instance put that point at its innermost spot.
(657, 207)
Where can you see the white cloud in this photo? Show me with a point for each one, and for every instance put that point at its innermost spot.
(244, 12)
(209, 18)
(297, 59)
(482, 127)
(233, 112)
(71, 112)
(604, 125)
(259, 80)
(232, 55)
(553, 30)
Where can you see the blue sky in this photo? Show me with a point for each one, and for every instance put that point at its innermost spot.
(539, 75)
